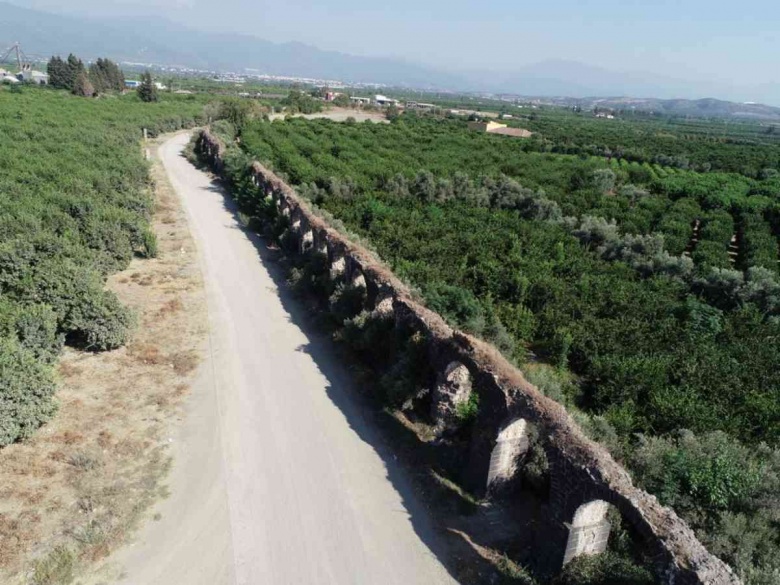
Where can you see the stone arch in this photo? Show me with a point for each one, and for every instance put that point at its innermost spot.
(307, 241)
(357, 278)
(588, 531)
(511, 444)
(453, 388)
(338, 265)
(321, 243)
(383, 300)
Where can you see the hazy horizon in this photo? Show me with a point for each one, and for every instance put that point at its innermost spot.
(723, 52)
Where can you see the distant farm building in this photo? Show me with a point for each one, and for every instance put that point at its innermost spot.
(381, 100)
(132, 83)
(496, 128)
(30, 75)
(419, 106)
(332, 95)
(360, 101)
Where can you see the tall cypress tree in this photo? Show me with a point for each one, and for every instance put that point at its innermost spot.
(106, 76)
(147, 91)
(74, 67)
(58, 74)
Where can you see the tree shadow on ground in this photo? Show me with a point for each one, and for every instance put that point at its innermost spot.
(462, 533)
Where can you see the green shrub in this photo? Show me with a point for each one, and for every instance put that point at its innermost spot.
(26, 392)
(149, 245)
(606, 568)
(99, 322)
(35, 327)
(468, 410)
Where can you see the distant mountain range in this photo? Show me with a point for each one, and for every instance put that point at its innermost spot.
(701, 108)
(159, 41)
(166, 43)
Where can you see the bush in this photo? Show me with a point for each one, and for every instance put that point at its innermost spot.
(607, 568)
(34, 326)
(100, 322)
(26, 392)
(729, 494)
(149, 246)
(468, 410)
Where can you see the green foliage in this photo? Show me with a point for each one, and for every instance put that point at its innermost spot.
(74, 208)
(26, 391)
(99, 322)
(149, 243)
(82, 86)
(238, 112)
(34, 326)
(106, 76)
(468, 410)
(729, 493)
(573, 251)
(709, 472)
(605, 569)
(298, 102)
(147, 90)
(66, 74)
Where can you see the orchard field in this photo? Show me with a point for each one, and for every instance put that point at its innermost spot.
(647, 280)
(74, 207)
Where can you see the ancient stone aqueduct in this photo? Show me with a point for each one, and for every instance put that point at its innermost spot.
(585, 481)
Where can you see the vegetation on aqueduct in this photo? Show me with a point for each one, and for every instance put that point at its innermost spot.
(621, 275)
(74, 208)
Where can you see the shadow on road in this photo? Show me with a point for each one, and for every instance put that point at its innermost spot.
(453, 527)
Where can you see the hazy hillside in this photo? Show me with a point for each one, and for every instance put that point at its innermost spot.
(701, 108)
(155, 40)
(164, 42)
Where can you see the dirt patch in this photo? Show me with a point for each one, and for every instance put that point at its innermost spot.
(73, 493)
(340, 115)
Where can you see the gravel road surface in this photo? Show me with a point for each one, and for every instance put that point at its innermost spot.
(278, 479)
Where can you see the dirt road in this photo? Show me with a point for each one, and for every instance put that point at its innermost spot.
(277, 478)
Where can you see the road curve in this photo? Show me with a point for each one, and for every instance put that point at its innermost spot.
(277, 478)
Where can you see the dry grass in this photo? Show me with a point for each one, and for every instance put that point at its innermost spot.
(71, 494)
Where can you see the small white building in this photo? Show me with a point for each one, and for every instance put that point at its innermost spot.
(419, 106)
(32, 76)
(360, 101)
(381, 100)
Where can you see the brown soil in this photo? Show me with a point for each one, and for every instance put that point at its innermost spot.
(71, 494)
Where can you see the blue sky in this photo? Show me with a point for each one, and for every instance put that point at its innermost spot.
(729, 42)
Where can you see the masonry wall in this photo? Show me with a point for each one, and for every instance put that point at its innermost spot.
(581, 471)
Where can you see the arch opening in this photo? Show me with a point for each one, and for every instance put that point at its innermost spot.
(338, 266)
(511, 445)
(453, 389)
(588, 531)
(307, 241)
(357, 279)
